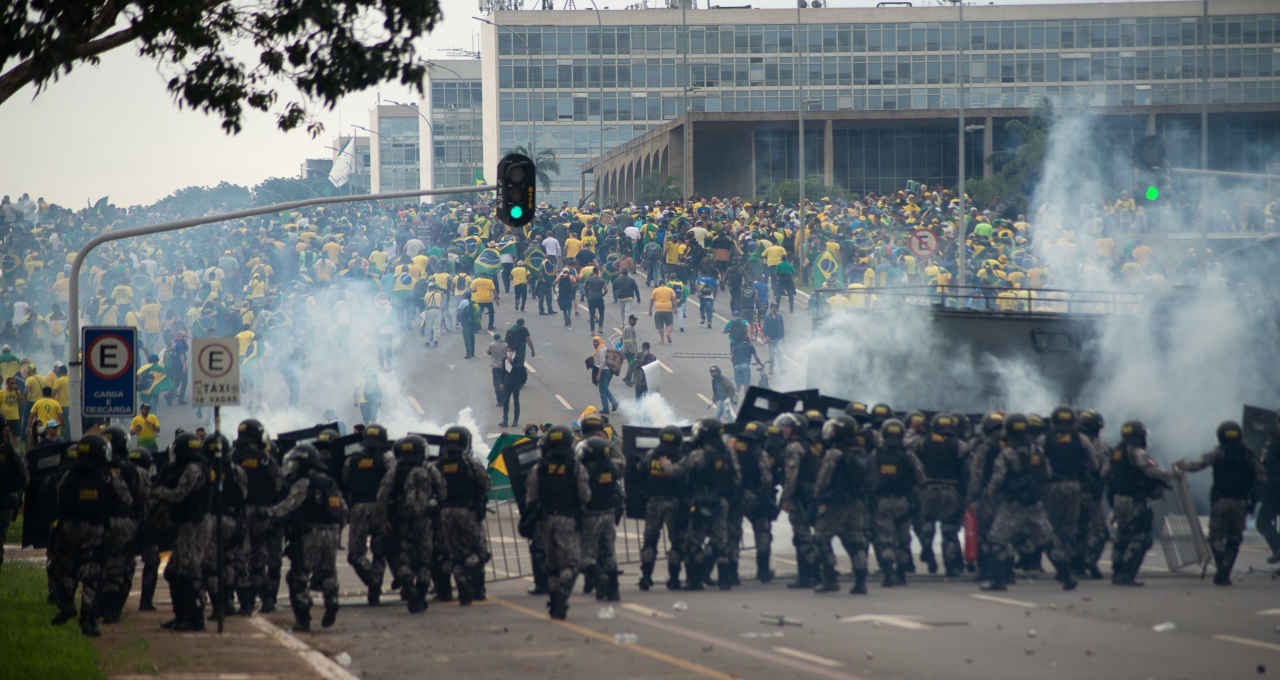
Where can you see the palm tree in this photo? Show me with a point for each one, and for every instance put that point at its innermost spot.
(545, 162)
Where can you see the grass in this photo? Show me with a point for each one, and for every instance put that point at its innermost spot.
(30, 647)
(15, 531)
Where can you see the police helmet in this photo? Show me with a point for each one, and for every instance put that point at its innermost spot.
(752, 431)
(325, 439)
(880, 413)
(857, 409)
(1091, 422)
(457, 439)
(592, 447)
(814, 420)
(892, 430)
(375, 434)
(992, 423)
(838, 430)
(141, 458)
(943, 424)
(300, 459)
(1016, 426)
(670, 435)
(1229, 433)
(93, 448)
(706, 429)
(1134, 432)
(1063, 419)
(557, 440)
(411, 447)
(252, 432)
(184, 445)
(592, 423)
(119, 441)
(916, 421)
(215, 445)
(1035, 424)
(791, 420)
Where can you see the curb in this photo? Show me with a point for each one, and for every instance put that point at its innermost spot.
(324, 666)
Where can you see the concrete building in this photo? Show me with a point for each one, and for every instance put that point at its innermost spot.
(396, 164)
(881, 86)
(361, 181)
(315, 167)
(454, 137)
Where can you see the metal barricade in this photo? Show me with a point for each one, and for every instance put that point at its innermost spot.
(1178, 528)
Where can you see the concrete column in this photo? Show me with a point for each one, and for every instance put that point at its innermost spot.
(1151, 123)
(687, 162)
(828, 154)
(988, 145)
(751, 139)
(582, 184)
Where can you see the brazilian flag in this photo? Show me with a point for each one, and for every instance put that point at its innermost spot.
(469, 246)
(827, 271)
(488, 262)
(507, 246)
(535, 260)
(611, 266)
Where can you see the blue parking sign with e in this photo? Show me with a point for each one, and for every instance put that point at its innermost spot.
(110, 372)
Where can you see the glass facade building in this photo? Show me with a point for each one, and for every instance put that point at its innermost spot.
(455, 104)
(396, 157)
(560, 76)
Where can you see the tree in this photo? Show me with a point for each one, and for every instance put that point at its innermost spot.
(545, 163)
(1019, 167)
(193, 201)
(657, 187)
(325, 49)
(788, 190)
(284, 189)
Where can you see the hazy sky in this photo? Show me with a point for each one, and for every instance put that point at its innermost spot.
(113, 130)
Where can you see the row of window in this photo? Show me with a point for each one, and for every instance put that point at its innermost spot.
(656, 106)
(396, 152)
(468, 125)
(448, 95)
(399, 179)
(398, 126)
(886, 70)
(442, 176)
(569, 141)
(456, 151)
(888, 37)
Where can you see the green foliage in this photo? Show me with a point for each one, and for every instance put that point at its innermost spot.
(324, 49)
(788, 191)
(14, 534)
(657, 187)
(545, 162)
(30, 647)
(284, 189)
(984, 193)
(1017, 169)
(193, 201)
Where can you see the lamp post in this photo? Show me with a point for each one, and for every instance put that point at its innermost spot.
(684, 106)
(801, 69)
(533, 119)
(430, 129)
(600, 28)
(963, 223)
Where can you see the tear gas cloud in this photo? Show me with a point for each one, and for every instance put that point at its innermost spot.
(1183, 360)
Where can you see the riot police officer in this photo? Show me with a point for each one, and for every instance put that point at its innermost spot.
(408, 497)
(231, 486)
(1132, 480)
(362, 475)
(802, 462)
(898, 476)
(714, 478)
(557, 492)
(844, 494)
(757, 505)
(122, 530)
(981, 464)
(87, 496)
(463, 511)
(1072, 462)
(1093, 516)
(266, 482)
(148, 533)
(1237, 477)
(663, 508)
(942, 454)
(13, 480)
(603, 512)
(186, 489)
(315, 510)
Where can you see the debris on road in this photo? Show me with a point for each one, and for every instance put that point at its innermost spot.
(343, 659)
(625, 638)
(605, 613)
(780, 620)
(1164, 627)
(680, 606)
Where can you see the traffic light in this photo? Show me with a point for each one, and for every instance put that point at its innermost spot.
(516, 192)
(1148, 159)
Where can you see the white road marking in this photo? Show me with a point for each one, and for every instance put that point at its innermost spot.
(563, 402)
(801, 293)
(1269, 612)
(811, 658)
(641, 609)
(1004, 600)
(788, 357)
(704, 398)
(529, 367)
(888, 620)
(721, 317)
(1250, 642)
(321, 664)
(665, 367)
(493, 435)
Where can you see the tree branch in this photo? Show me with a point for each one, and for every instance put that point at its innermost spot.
(26, 72)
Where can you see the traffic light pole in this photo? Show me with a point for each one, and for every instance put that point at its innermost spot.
(76, 366)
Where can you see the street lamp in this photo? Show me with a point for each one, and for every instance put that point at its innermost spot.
(684, 104)
(802, 68)
(533, 123)
(962, 223)
(600, 28)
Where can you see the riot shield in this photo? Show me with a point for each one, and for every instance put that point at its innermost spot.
(637, 442)
(759, 403)
(41, 505)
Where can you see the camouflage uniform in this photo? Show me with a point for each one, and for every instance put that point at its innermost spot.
(316, 510)
(407, 498)
(844, 493)
(87, 495)
(121, 541)
(461, 526)
(1020, 481)
(1237, 477)
(1093, 515)
(362, 475)
(558, 490)
(663, 508)
(714, 478)
(266, 481)
(756, 506)
(222, 587)
(981, 465)
(13, 480)
(599, 536)
(941, 498)
(1132, 479)
(898, 474)
(802, 462)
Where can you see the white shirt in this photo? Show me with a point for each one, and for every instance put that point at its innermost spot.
(632, 232)
(551, 246)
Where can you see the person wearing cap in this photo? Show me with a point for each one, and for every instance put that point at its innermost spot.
(9, 362)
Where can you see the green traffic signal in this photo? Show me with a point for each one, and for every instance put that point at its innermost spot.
(1153, 192)
(517, 212)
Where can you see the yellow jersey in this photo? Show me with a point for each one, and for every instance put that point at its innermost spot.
(482, 290)
(663, 298)
(46, 409)
(519, 275)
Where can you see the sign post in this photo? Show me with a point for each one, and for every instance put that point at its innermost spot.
(111, 384)
(216, 382)
(923, 243)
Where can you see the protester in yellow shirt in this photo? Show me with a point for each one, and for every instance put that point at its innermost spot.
(144, 426)
(662, 303)
(484, 294)
(571, 247)
(520, 282)
(45, 409)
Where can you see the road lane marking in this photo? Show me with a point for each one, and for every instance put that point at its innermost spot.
(741, 649)
(721, 317)
(665, 367)
(321, 664)
(1004, 600)
(563, 402)
(788, 357)
(888, 620)
(641, 609)
(1250, 642)
(690, 666)
(704, 398)
(529, 367)
(811, 658)
(1269, 612)
(801, 293)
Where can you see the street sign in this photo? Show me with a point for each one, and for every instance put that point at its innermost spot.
(215, 376)
(923, 243)
(110, 379)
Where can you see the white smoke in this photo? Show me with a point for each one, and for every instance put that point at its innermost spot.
(651, 410)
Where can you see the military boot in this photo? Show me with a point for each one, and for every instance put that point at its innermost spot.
(1000, 571)
(179, 603)
(646, 576)
(1064, 575)
(146, 601)
(830, 583)
(409, 595)
(889, 570)
(268, 595)
(725, 580)
(444, 585)
(859, 582)
(464, 592)
(693, 574)
(1221, 570)
(330, 614)
(246, 601)
(589, 579)
(926, 556)
(763, 573)
(108, 608)
(613, 594)
(804, 574)
(673, 575)
(194, 620)
(559, 605)
(301, 619)
(477, 583)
